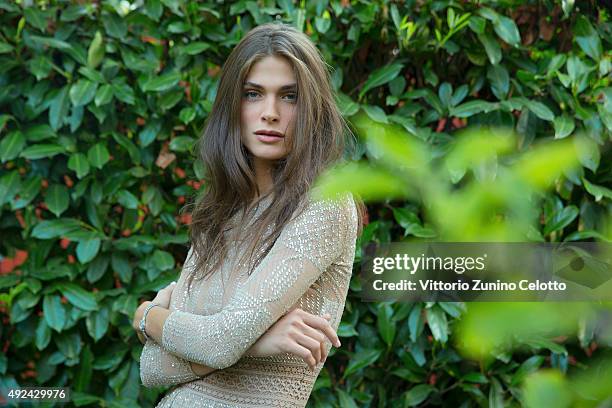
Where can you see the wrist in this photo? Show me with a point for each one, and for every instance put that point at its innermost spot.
(146, 307)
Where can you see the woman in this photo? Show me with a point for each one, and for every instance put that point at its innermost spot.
(254, 312)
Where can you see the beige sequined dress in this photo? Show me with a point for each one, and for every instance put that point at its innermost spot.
(309, 266)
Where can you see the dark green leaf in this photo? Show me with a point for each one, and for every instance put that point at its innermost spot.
(11, 146)
(54, 312)
(57, 199)
(381, 76)
(79, 297)
(417, 394)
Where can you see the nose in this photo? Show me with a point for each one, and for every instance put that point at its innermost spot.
(270, 111)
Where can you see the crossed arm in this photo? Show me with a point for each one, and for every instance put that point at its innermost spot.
(196, 345)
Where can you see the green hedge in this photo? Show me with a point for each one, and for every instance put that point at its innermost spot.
(100, 105)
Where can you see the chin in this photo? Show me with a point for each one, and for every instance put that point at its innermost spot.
(270, 154)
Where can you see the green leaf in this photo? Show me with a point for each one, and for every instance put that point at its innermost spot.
(597, 191)
(97, 268)
(445, 93)
(28, 191)
(471, 108)
(121, 265)
(127, 199)
(323, 23)
(128, 145)
(385, 324)
(587, 38)
(162, 82)
(104, 95)
(37, 133)
(475, 377)
(529, 366)
(6, 48)
(84, 372)
(82, 92)
(540, 110)
(491, 47)
(123, 92)
(347, 106)
(163, 260)
(417, 394)
(69, 344)
(9, 186)
(55, 228)
(98, 155)
(346, 330)
(79, 297)
(507, 30)
(181, 143)
(78, 162)
(436, 320)
(87, 250)
(416, 322)
(345, 399)
(564, 126)
(11, 146)
(381, 76)
(35, 17)
(360, 360)
(59, 108)
(496, 394)
(187, 114)
(455, 309)
(95, 53)
(43, 334)
(114, 25)
(195, 48)
(40, 151)
(97, 323)
(500, 80)
(376, 113)
(54, 312)
(57, 199)
(51, 42)
(561, 219)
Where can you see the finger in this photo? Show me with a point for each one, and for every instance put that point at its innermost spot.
(323, 325)
(311, 344)
(302, 352)
(314, 333)
(323, 352)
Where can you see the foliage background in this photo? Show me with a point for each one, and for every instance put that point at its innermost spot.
(101, 101)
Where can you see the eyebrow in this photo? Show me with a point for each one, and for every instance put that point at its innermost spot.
(292, 87)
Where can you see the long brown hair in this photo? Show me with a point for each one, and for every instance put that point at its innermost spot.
(230, 186)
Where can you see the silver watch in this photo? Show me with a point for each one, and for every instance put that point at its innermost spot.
(143, 321)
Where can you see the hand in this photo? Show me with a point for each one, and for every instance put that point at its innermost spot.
(164, 295)
(162, 298)
(300, 333)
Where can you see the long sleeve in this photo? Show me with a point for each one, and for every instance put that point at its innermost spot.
(306, 247)
(158, 368)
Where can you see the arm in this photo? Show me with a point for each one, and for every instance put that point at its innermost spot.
(158, 368)
(305, 248)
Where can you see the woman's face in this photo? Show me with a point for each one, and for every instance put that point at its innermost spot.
(269, 100)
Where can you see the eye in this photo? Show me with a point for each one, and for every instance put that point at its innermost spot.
(292, 96)
(250, 94)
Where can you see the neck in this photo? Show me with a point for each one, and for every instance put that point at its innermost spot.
(263, 176)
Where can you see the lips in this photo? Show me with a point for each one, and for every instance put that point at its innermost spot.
(269, 133)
